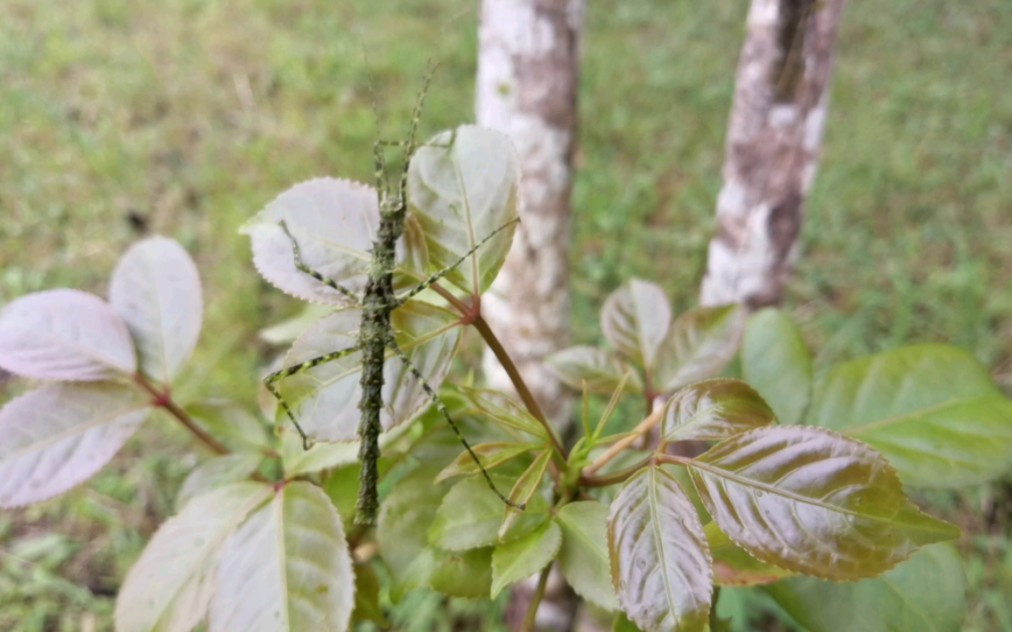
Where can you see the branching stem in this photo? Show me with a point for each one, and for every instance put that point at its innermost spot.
(644, 426)
(164, 400)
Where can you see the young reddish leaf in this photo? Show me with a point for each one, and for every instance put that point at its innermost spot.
(286, 568)
(932, 410)
(812, 501)
(776, 362)
(660, 562)
(601, 371)
(462, 187)
(699, 345)
(156, 290)
(712, 410)
(170, 586)
(523, 490)
(491, 455)
(521, 558)
(64, 335)
(733, 566)
(635, 319)
(325, 399)
(926, 593)
(57, 436)
(583, 558)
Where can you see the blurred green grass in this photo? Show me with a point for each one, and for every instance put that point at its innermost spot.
(185, 117)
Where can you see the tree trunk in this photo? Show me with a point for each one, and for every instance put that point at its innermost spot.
(528, 75)
(528, 63)
(775, 131)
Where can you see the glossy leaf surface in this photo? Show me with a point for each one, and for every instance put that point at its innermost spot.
(712, 410)
(926, 593)
(932, 410)
(660, 562)
(58, 436)
(699, 345)
(462, 187)
(583, 557)
(776, 362)
(286, 568)
(155, 288)
(812, 501)
(635, 319)
(325, 399)
(601, 371)
(522, 558)
(733, 566)
(170, 586)
(65, 335)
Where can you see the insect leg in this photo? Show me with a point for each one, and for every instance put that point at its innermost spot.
(271, 380)
(427, 283)
(441, 407)
(301, 266)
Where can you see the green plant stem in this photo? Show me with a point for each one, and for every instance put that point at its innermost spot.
(619, 446)
(589, 480)
(474, 317)
(539, 593)
(164, 400)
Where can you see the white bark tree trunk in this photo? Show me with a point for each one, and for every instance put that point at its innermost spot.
(775, 131)
(528, 71)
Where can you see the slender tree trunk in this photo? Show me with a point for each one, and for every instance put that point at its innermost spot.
(528, 71)
(775, 131)
(528, 76)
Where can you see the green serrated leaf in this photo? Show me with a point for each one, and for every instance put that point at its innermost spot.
(733, 566)
(776, 362)
(462, 187)
(932, 410)
(491, 455)
(926, 593)
(660, 561)
(523, 490)
(699, 344)
(287, 567)
(325, 399)
(522, 558)
(217, 472)
(601, 371)
(404, 545)
(583, 557)
(635, 319)
(469, 516)
(502, 411)
(712, 410)
(170, 586)
(812, 501)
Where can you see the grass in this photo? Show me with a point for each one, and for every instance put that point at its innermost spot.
(185, 117)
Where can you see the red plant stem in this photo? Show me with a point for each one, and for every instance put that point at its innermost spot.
(164, 400)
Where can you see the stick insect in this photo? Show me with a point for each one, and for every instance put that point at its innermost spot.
(376, 336)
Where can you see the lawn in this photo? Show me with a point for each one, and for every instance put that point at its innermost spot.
(184, 117)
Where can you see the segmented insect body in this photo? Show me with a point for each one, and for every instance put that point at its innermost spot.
(376, 336)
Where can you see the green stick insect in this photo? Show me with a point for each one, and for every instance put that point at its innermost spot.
(376, 335)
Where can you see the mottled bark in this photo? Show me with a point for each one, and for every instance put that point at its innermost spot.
(528, 63)
(775, 131)
(528, 72)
